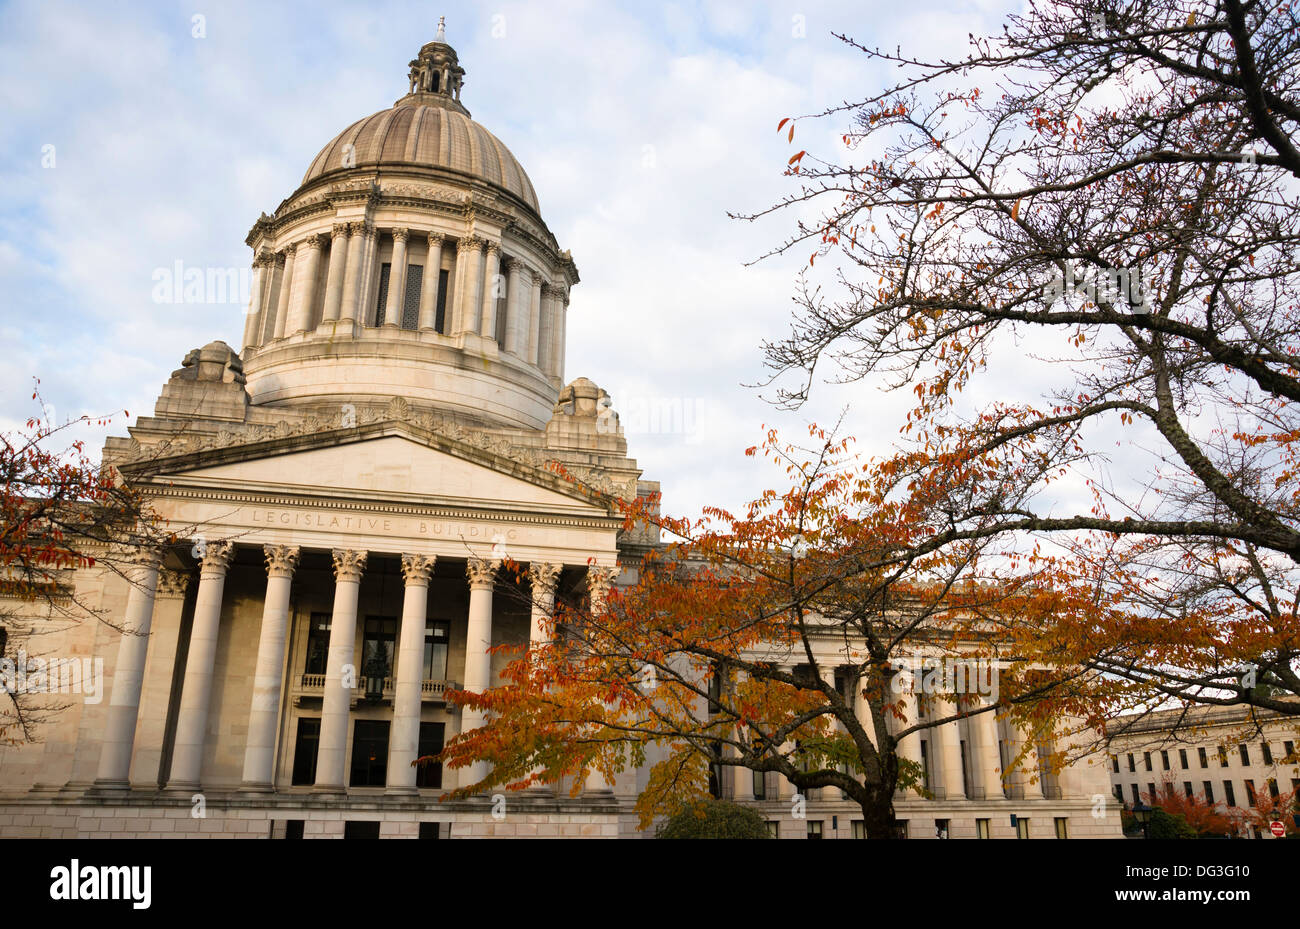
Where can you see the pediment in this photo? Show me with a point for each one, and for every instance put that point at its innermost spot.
(389, 463)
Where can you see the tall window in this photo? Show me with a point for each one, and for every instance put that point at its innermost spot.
(1245, 754)
(1137, 795)
(1200, 753)
(411, 299)
(1250, 792)
(1208, 788)
(1022, 827)
(1131, 765)
(385, 271)
(760, 785)
(1223, 756)
(1187, 789)
(1062, 827)
(440, 320)
(1146, 760)
(369, 753)
(1182, 758)
(431, 735)
(304, 751)
(1229, 795)
(774, 828)
(1267, 751)
(859, 829)
(1272, 788)
(981, 828)
(437, 634)
(1164, 759)
(378, 643)
(814, 828)
(1114, 763)
(318, 643)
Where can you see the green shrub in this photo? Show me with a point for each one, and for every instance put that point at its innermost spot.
(714, 819)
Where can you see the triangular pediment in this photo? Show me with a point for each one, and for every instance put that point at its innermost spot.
(388, 463)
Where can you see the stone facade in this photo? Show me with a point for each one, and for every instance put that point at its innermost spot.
(347, 490)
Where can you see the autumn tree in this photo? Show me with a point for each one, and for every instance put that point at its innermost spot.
(1103, 199)
(59, 512)
(786, 638)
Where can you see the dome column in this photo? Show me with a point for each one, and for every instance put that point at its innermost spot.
(558, 334)
(469, 295)
(546, 330)
(274, 283)
(304, 285)
(286, 292)
(262, 268)
(352, 272)
(491, 279)
(534, 316)
(397, 279)
(517, 299)
(432, 276)
(334, 281)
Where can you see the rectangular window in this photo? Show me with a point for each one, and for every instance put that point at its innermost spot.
(440, 323)
(1022, 827)
(385, 271)
(941, 828)
(411, 299)
(859, 829)
(1118, 791)
(369, 752)
(1267, 751)
(1137, 797)
(1114, 763)
(361, 829)
(1272, 788)
(1146, 760)
(1250, 792)
(1182, 758)
(1208, 788)
(430, 830)
(1245, 754)
(318, 643)
(1131, 765)
(1200, 753)
(378, 646)
(760, 785)
(1223, 756)
(925, 763)
(304, 751)
(1151, 792)
(904, 828)
(814, 828)
(1187, 789)
(981, 828)
(774, 828)
(429, 775)
(1289, 748)
(437, 636)
(1164, 759)
(1062, 827)
(1229, 795)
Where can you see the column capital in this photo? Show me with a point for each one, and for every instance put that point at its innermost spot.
(281, 560)
(469, 243)
(436, 239)
(417, 568)
(509, 263)
(263, 258)
(341, 230)
(349, 564)
(316, 240)
(493, 248)
(291, 250)
(143, 556)
(544, 577)
(217, 556)
(280, 258)
(357, 228)
(369, 231)
(600, 578)
(536, 275)
(482, 573)
(172, 584)
(401, 233)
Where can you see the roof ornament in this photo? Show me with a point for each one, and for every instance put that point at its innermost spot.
(442, 29)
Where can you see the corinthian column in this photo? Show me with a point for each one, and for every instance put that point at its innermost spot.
(334, 280)
(491, 291)
(546, 330)
(264, 711)
(283, 302)
(518, 295)
(352, 272)
(988, 759)
(304, 285)
(600, 581)
(469, 290)
(432, 275)
(947, 741)
(274, 279)
(405, 742)
(340, 671)
(196, 692)
(534, 316)
(262, 266)
(366, 277)
(397, 279)
(544, 578)
(478, 639)
(128, 673)
(559, 336)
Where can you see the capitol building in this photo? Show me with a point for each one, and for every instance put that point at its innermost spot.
(397, 424)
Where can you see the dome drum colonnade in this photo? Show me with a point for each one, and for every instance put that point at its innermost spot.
(415, 240)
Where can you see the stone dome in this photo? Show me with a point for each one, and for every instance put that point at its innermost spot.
(421, 130)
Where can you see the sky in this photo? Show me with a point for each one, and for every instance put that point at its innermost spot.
(135, 136)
